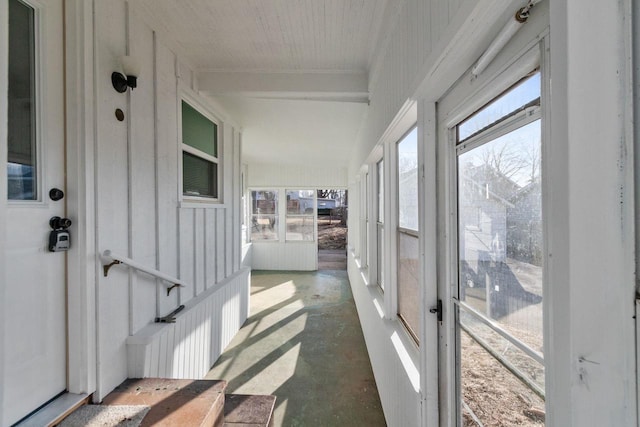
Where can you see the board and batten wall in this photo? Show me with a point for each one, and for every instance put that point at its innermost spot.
(139, 214)
(281, 255)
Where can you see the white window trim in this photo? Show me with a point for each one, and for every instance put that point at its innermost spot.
(187, 201)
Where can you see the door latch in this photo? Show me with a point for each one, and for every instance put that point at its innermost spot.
(437, 310)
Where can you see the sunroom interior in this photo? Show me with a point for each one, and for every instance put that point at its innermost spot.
(488, 150)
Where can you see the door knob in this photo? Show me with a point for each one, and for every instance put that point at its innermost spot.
(56, 194)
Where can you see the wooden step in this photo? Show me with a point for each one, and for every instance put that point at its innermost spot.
(243, 410)
(185, 403)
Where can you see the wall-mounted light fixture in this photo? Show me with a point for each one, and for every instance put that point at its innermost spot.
(130, 77)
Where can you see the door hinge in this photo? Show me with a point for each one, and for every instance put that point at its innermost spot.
(437, 310)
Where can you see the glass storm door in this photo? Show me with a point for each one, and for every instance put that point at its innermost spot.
(498, 306)
(34, 310)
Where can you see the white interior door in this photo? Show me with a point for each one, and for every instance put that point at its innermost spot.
(34, 310)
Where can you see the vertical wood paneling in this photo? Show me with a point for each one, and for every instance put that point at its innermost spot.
(166, 170)
(189, 347)
(142, 233)
(220, 245)
(112, 204)
(199, 251)
(235, 235)
(228, 194)
(210, 239)
(186, 255)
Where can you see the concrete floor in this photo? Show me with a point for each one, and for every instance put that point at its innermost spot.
(303, 344)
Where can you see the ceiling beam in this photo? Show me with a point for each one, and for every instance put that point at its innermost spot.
(322, 86)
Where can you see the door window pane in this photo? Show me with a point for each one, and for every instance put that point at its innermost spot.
(22, 168)
(500, 276)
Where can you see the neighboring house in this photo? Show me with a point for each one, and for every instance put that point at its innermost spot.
(524, 225)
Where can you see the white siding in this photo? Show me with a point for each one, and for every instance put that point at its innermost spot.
(285, 256)
(189, 347)
(296, 177)
(395, 360)
(139, 214)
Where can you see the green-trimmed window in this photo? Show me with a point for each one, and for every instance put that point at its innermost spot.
(199, 154)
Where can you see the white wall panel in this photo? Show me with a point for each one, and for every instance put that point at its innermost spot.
(220, 244)
(301, 176)
(112, 204)
(142, 177)
(285, 256)
(138, 214)
(166, 170)
(186, 218)
(199, 251)
(394, 359)
(189, 347)
(210, 247)
(399, 67)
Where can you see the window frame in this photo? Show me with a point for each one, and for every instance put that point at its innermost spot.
(191, 99)
(379, 224)
(414, 334)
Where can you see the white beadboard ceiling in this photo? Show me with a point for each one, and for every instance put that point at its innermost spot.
(292, 73)
(271, 35)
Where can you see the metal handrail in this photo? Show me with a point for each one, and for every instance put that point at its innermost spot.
(111, 258)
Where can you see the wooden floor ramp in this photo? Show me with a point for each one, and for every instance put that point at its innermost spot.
(192, 403)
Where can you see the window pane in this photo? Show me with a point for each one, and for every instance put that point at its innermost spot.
(199, 176)
(300, 202)
(300, 228)
(198, 131)
(500, 269)
(300, 215)
(380, 254)
(408, 181)
(408, 288)
(264, 215)
(524, 93)
(380, 184)
(21, 168)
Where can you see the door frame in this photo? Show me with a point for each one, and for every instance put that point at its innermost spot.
(519, 56)
(82, 262)
(83, 257)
